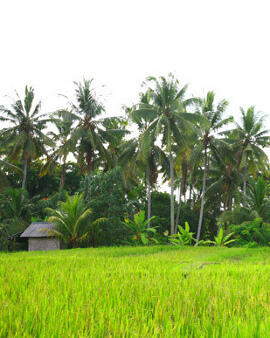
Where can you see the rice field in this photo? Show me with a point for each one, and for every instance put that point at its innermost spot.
(136, 292)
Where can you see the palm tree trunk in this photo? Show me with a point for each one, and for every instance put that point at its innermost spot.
(148, 202)
(89, 168)
(245, 183)
(225, 208)
(63, 174)
(178, 209)
(172, 193)
(24, 174)
(203, 194)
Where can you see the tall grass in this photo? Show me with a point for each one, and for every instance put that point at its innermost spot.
(136, 292)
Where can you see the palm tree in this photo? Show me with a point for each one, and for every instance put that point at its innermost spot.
(252, 138)
(141, 154)
(15, 204)
(224, 179)
(117, 140)
(181, 168)
(258, 199)
(257, 204)
(63, 121)
(72, 220)
(168, 104)
(90, 133)
(210, 123)
(144, 162)
(25, 135)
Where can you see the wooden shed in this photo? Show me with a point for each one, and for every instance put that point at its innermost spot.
(40, 237)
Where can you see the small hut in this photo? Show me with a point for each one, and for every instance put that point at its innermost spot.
(40, 237)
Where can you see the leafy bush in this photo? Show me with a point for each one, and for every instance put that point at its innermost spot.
(105, 195)
(255, 231)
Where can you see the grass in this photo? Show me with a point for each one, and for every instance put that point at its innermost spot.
(136, 292)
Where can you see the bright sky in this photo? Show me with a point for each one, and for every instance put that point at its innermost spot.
(219, 45)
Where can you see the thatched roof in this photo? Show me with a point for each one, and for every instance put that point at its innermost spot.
(39, 229)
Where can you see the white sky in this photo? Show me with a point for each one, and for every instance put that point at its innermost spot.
(210, 44)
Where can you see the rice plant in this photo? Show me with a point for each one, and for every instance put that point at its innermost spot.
(159, 291)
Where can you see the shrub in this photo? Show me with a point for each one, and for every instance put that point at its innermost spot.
(255, 231)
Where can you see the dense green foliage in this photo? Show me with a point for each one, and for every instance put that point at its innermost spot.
(160, 291)
(168, 141)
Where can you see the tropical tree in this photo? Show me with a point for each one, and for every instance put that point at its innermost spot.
(211, 121)
(117, 140)
(90, 134)
(141, 153)
(257, 204)
(72, 220)
(15, 204)
(168, 104)
(223, 180)
(252, 138)
(26, 131)
(63, 120)
(184, 168)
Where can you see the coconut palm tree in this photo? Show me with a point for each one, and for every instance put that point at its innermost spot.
(63, 120)
(25, 134)
(211, 121)
(90, 134)
(139, 153)
(168, 104)
(72, 220)
(257, 204)
(117, 140)
(181, 167)
(223, 179)
(251, 138)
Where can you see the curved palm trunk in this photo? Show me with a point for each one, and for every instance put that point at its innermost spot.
(24, 174)
(172, 193)
(148, 202)
(203, 194)
(179, 208)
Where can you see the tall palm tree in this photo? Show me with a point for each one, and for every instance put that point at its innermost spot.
(26, 131)
(90, 133)
(210, 123)
(252, 138)
(224, 180)
(117, 140)
(142, 151)
(168, 104)
(63, 120)
(141, 157)
(183, 168)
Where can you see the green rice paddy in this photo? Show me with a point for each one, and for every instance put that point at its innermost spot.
(136, 292)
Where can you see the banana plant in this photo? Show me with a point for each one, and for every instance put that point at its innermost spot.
(141, 233)
(183, 236)
(221, 240)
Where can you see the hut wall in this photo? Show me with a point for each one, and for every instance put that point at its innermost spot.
(38, 244)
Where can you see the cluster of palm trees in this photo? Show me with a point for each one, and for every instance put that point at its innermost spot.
(178, 139)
